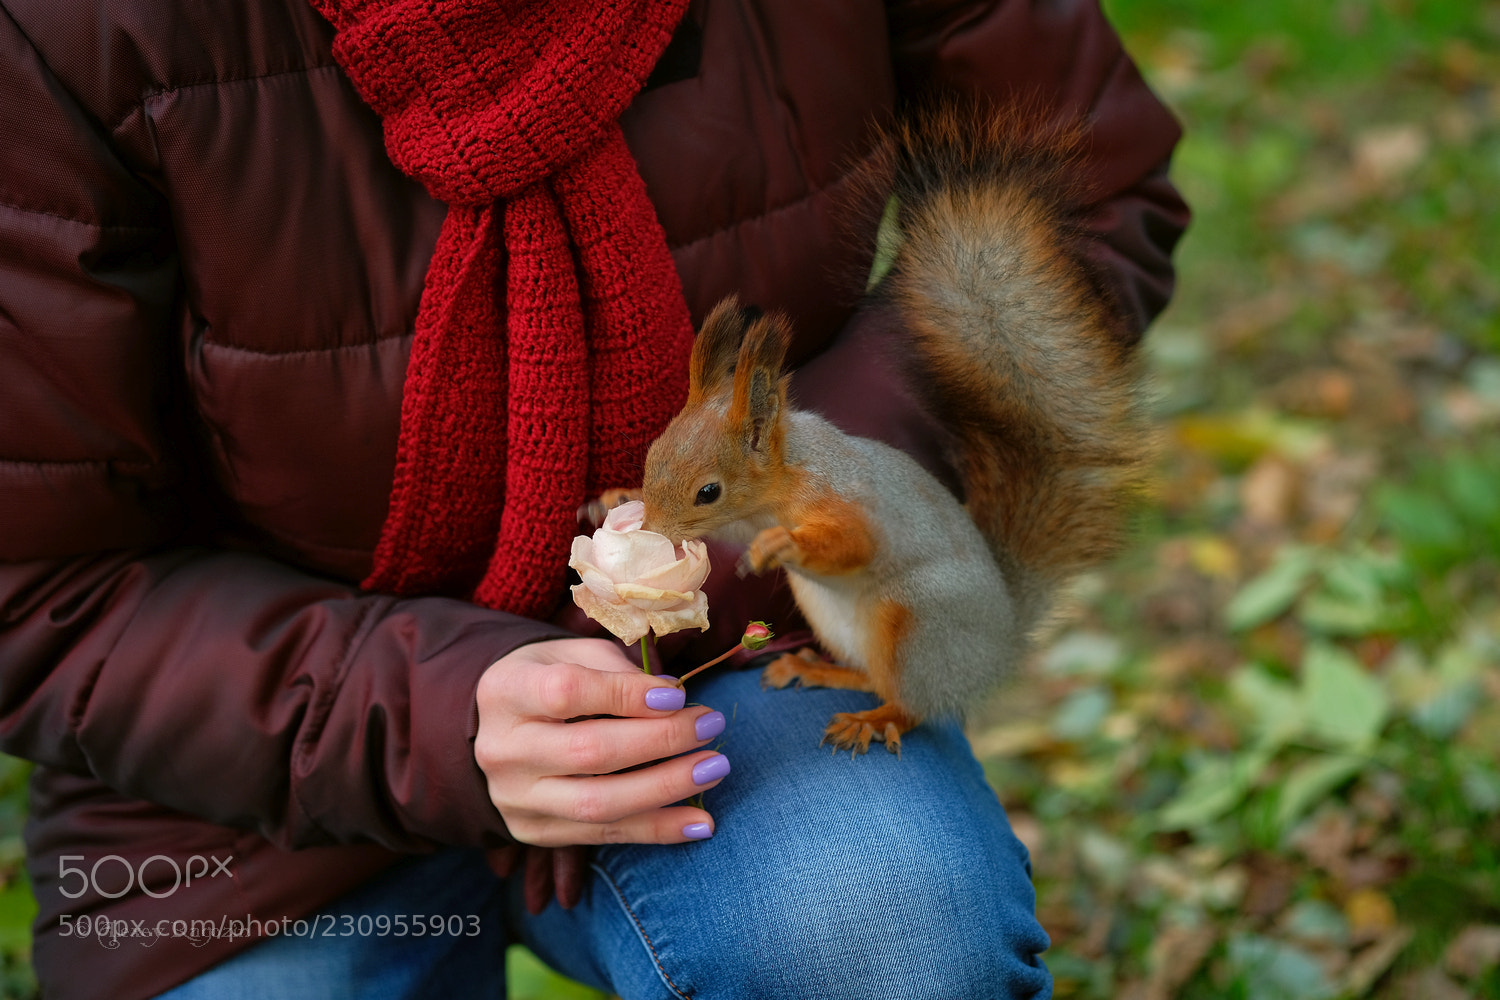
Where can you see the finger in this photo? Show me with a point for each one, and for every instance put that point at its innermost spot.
(569, 870)
(672, 825)
(603, 746)
(569, 690)
(609, 798)
(537, 887)
(503, 860)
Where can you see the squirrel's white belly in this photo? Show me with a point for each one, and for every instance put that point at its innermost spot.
(830, 605)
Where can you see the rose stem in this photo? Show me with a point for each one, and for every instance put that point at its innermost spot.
(645, 658)
(698, 670)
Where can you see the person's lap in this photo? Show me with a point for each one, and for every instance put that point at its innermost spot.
(828, 876)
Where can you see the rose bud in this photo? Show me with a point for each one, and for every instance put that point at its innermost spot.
(757, 634)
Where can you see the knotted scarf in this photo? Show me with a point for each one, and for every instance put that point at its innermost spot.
(552, 336)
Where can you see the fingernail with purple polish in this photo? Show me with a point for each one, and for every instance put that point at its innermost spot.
(666, 699)
(697, 831)
(708, 726)
(710, 769)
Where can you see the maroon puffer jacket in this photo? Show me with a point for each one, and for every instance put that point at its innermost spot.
(208, 277)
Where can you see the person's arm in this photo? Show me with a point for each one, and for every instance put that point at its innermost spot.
(1065, 55)
(222, 684)
(250, 694)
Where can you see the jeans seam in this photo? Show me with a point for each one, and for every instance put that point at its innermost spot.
(640, 929)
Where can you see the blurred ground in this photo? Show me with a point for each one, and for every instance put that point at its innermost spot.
(1259, 758)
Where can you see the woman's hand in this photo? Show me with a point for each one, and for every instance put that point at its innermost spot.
(554, 781)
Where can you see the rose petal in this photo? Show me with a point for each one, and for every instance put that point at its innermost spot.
(685, 574)
(630, 555)
(626, 622)
(652, 598)
(626, 517)
(595, 579)
(693, 615)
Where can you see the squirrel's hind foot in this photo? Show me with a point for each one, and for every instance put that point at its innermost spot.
(806, 668)
(853, 731)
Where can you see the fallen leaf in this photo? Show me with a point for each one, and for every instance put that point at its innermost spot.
(1095, 939)
(1273, 969)
(1268, 491)
(1344, 705)
(1028, 831)
(1213, 556)
(1176, 954)
(1311, 781)
(1383, 155)
(1370, 913)
(1474, 952)
(1315, 922)
(1327, 393)
(1272, 592)
(1374, 868)
(1327, 840)
(1430, 984)
(1012, 739)
(1372, 963)
(1215, 785)
(1272, 880)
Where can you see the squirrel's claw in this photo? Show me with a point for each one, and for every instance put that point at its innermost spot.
(773, 547)
(594, 511)
(853, 731)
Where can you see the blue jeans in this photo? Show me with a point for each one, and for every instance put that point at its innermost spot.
(828, 877)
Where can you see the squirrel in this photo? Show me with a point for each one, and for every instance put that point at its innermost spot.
(1016, 348)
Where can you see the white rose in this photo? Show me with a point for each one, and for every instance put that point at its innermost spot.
(634, 580)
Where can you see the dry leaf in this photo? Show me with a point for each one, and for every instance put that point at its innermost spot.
(1268, 492)
(1322, 392)
(1272, 880)
(1176, 955)
(1474, 952)
(1327, 841)
(1430, 984)
(1370, 913)
(1012, 739)
(1213, 556)
(1384, 155)
(1028, 831)
(1372, 963)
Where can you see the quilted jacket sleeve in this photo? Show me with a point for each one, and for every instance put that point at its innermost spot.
(221, 684)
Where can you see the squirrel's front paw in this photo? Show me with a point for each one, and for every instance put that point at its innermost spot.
(773, 547)
(595, 511)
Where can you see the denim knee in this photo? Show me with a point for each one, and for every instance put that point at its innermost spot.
(898, 922)
(827, 876)
(873, 877)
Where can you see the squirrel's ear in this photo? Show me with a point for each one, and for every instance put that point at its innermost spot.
(759, 388)
(716, 349)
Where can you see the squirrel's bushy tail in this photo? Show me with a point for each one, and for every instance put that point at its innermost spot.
(1020, 350)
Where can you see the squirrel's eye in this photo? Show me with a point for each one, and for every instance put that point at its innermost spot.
(708, 494)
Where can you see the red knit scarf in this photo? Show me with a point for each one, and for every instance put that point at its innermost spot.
(552, 337)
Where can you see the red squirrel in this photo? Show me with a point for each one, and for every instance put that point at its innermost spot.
(923, 600)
